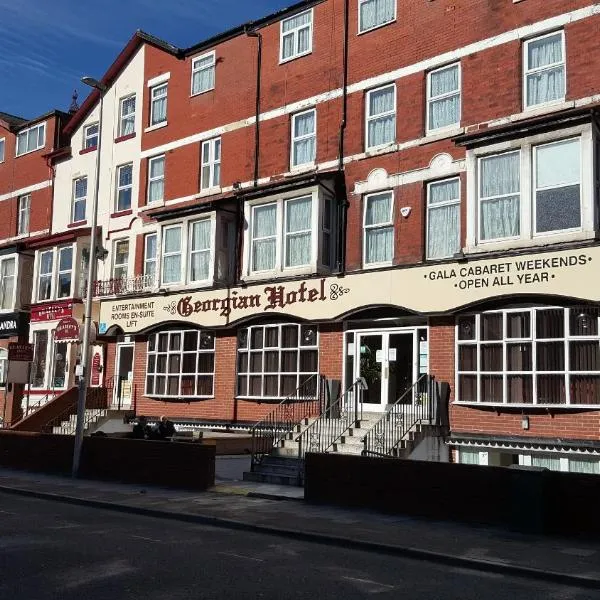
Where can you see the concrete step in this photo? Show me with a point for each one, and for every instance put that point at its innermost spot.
(259, 477)
(281, 461)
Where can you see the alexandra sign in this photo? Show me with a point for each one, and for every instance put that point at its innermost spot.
(425, 290)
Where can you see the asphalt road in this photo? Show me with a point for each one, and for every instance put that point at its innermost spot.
(50, 550)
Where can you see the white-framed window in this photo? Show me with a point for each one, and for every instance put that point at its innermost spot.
(378, 224)
(381, 116)
(7, 282)
(124, 187)
(45, 271)
(544, 70)
(203, 73)
(158, 104)
(211, 164)
(531, 191)
(171, 254)
(90, 136)
(443, 98)
(3, 367)
(2, 149)
(181, 364)
(567, 463)
(150, 257)
(375, 13)
(296, 36)
(529, 356)
(79, 200)
(443, 218)
(121, 259)
(40, 358)
(275, 360)
(304, 138)
(127, 115)
(200, 251)
(156, 179)
(291, 233)
(24, 214)
(31, 139)
(65, 272)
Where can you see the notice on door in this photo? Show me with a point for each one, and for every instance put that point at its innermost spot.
(392, 354)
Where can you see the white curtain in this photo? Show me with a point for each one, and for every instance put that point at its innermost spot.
(172, 260)
(445, 111)
(549, 462)
(584, 465)
(545, 85)
(376, 12)
(150, 256)
(157, 182)
(382, 130)
(201, 243)
(379, 245)
(378, 209)
(128, 116)
(298, 232)
(204, 78)
(296, 42)
(469, 457)
(8, 283)
(500, 196)
(264, 236)
(443, 236)
(159, 109)
(304, 149)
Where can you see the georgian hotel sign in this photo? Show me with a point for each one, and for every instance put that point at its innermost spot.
(426, 290)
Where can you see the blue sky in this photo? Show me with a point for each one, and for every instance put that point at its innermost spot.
(47, 45)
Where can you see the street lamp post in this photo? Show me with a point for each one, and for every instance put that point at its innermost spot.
(87, 320)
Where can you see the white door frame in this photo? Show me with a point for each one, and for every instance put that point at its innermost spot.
(116, 387)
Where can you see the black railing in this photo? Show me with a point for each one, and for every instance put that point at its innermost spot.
(307, 401)
(418, 405)
(335, 420)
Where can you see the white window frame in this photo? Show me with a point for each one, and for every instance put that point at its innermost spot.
(120, 265)
(290, 234)
(2, 149)
(318, 204)
(196, 69)
(431, 207)
(534, 341)
(53, 275)
(78, 199)
(525, 146)
(12, 300)
(386, 225)
(46, 275)
(185, 251)
(155, 179)
(211, 164)
(447, 95)
(119, 188)
(70, 271)
(154, 259)
(361, 30)
(24, 216)
(153, 354)
(527, 71)
(123, 118)
(154, 97)
(191, 252)
(369, 117)
(87, 137)
(302, 138)
(39, 127)
(295, 31)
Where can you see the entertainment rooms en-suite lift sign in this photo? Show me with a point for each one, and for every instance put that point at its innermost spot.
(429, 289)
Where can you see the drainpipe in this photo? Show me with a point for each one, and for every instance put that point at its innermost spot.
(258, 36)
(343, 208)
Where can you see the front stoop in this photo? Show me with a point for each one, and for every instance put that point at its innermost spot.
(279, 470)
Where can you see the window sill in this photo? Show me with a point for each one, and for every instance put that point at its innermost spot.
(543, 107)
(193, 95)
(283, 61)
(305, 168)
(210, 191)
(77, 224)
(521, 407)
(88, 150)
(380, 265)
(155, 127)
(124, 138)
(184, 399)
(441, 134)
(359, 32)
(29, 152)
(384, 149)
(535, 242)
(122, 213)
(260, 399)
(175, 288)
(281, 274)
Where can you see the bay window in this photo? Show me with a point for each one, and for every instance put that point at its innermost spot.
(378, 225)
(150, 257)
(531, 191)
(200, 250)
(530, 356)
(44, 285)
(545, 70)
(65, 271)
(171, 255)
(181, 364)
(7, 283)
(381, 117)
(55, 272)
(443, 218)
(275, 360)
(292, 233)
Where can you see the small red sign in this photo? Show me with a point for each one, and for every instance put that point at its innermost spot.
(20, 352)
(96, 362)
(67, 330)
(51, 312)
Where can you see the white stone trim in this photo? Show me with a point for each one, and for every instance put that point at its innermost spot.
(26, 190)
(158, 79)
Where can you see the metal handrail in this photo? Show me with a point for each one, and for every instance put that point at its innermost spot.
(269, 432)
(123, 285)
(337, 418)
(400, 418)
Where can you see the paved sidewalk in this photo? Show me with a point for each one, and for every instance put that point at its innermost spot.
(257, 507)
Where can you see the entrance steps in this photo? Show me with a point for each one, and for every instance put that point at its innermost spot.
(279, 470)
(95, 419)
